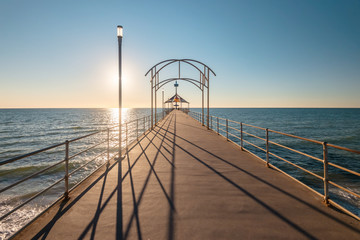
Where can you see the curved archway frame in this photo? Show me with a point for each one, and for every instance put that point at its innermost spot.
(203, 82)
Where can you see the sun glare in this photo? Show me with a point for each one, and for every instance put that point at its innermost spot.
(115, 115)
(115, 79)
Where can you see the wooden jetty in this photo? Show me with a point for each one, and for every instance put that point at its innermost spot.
(182, 181)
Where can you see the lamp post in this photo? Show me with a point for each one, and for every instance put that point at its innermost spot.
(120, 36)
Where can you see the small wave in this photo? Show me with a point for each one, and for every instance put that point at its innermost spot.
(24, 171)
(15, 221)
(347, 200)
(6, 122)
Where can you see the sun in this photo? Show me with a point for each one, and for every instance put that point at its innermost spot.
(115, 79)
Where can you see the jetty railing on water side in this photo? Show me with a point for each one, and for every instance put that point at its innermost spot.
(142, 124)
(223, 127)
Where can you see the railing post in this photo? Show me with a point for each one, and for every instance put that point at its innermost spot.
(227, 129)
(326, 184)
(137, 128)
(207, 121)
(108, 147)
(218, 125)
(211, 122)
(267, 147)
(241, 136)
(66, 193)
(127, 137)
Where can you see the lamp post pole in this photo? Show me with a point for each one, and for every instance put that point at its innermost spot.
(120, 36)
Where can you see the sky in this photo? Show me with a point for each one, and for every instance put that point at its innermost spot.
(265, 53)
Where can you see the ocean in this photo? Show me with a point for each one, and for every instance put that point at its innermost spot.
(26, 130)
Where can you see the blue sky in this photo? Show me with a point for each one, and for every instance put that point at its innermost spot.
(294, 53)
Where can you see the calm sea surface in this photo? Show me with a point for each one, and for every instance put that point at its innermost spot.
(27, 130)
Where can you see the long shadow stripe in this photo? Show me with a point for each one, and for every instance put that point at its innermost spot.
(275, 187)
(145, 184)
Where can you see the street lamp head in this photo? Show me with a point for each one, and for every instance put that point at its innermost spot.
(120, 31)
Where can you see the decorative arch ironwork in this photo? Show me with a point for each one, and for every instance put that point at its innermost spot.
(203, 82)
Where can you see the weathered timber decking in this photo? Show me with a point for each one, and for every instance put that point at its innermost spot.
(186, 182)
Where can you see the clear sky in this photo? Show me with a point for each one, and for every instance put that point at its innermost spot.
(269, 53)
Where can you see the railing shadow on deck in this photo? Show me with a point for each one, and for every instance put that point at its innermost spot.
(67, 204)
(276, 213)
(326, 166)
(170, 199)
(167, 137)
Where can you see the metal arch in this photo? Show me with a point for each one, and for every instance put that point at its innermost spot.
(157, 72)
(166, 81)
(171, 62)
(203, 73)
(179, 60)
(159, 64)
(204, 81)
(192, 60)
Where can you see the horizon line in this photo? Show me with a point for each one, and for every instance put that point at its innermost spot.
(165, 108)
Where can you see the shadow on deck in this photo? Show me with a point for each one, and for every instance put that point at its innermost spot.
(182, 181)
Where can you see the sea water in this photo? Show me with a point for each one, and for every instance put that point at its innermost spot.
(27, 130)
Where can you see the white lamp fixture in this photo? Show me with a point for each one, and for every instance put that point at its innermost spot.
(120, 31)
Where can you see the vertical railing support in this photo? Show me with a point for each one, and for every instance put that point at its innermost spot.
(152, 97)
(156, 81)
(267, 147)
(127, 136)
(211, 122)
(108, 147)
(241, 137)
(326, 183)
(137, 128)
(227, 129)
(66, 193)
(218, 125)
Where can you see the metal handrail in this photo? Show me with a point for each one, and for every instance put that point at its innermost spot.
(344, 169)
(146, 125)
(343, 148)
(294, 136)
(30, 176)
(293, 164)
(325, 146)
(81, 152)
(297, 151)
(261, 128)
(30, 154)
(30, 199)
(88, 135)
(87, 163)
(254, 145)
(252, 135)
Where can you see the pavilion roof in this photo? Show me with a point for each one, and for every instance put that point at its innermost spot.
(176, 98)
